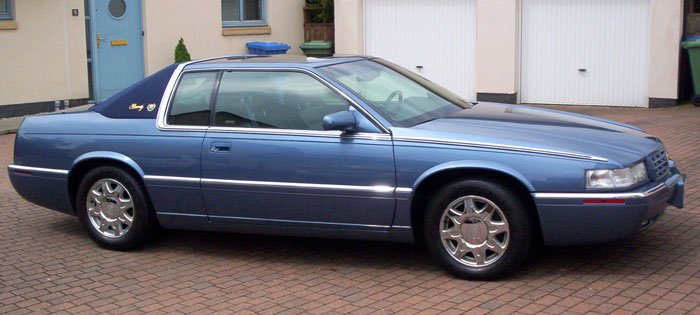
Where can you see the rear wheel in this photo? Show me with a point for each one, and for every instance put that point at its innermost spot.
(478, 229)
(113, 208)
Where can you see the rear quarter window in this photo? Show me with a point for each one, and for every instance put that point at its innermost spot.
(191, 104)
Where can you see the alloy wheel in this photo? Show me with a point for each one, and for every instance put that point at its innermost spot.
(474, 231)
(110, 208)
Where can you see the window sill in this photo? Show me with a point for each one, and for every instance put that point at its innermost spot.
(8, 25)
(246, 30)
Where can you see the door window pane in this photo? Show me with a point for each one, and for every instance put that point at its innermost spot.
(3, 6)
(288, 100)
(192, 100)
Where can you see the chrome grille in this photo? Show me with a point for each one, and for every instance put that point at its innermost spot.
(659, 163)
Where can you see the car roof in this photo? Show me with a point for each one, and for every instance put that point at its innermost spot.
(283, 61)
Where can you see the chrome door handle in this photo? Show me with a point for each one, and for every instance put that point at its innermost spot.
(220, 147)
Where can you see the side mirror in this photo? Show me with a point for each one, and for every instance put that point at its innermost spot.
(343, 121)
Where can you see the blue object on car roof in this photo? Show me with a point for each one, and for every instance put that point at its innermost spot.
(267, 48)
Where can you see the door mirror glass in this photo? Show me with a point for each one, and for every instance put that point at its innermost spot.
(343, 121)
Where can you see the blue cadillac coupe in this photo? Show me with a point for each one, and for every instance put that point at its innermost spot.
(345, 147)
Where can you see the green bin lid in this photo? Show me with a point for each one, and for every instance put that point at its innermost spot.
(317, 44)
(691, 44)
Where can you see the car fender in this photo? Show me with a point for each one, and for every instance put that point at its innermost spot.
(474, 165)
(110, 156)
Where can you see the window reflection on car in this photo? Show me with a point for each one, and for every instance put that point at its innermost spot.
(400, 96)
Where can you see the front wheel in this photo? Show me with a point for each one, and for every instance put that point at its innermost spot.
(478, 229)
(113, 207)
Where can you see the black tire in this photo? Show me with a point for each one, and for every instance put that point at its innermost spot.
(521, 234)
(144, 223)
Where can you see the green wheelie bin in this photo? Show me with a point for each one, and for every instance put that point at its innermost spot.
(693, 47)
(317, 48)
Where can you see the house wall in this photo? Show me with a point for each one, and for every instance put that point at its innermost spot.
(666, 23)
(498, 46)
(43, 51)
(165, 21)
(43, 56)
(349, 27)
(498, 50)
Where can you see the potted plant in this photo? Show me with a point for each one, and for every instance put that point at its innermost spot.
(181, 53)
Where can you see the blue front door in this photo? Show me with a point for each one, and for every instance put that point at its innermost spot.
(116, 44)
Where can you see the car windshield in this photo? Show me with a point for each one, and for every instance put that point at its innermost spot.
(399, 95)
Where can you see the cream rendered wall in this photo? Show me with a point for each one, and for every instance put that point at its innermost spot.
(44, 59)
(498, 46)
(666, 29)
(349, 27)
(199, 23)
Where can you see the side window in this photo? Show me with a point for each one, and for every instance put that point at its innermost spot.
(288, 100)
(190, 105)
(5, 9)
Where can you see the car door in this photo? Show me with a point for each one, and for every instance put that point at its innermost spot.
(266, 159)
(172, 158)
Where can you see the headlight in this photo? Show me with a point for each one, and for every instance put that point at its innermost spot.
(619, 178)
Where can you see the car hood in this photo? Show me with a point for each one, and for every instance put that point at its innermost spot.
(537, 128)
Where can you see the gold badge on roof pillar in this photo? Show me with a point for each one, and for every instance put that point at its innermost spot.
(135, 106)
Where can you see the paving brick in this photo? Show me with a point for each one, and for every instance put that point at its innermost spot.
(49, 265)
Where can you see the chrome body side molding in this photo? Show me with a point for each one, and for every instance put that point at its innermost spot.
(37, 169)
(376, 188)
(305, 133)
(172, 178)
(670, 183)
(484, 145)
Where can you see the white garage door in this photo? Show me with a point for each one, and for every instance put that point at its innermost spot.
(434, 38)
(585, 52)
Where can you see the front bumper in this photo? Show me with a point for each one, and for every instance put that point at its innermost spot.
(566, 220)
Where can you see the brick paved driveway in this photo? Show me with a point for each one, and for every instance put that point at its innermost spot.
(47, 264)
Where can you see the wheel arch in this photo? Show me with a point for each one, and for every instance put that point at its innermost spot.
(439, 176)
(91, 160)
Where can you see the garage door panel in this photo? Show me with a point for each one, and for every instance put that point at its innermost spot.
(609, 39)
(439, 35)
